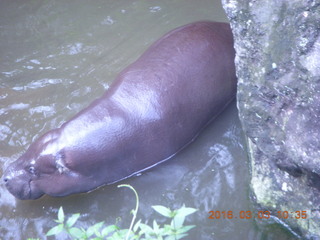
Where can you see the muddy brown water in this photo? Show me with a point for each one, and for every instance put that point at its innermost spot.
(58, 56)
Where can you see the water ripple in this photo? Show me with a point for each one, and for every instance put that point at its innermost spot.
(39, 84)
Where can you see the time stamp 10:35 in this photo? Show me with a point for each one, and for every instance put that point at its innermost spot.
(259, 214)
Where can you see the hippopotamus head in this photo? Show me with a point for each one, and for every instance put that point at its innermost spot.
(42, 170)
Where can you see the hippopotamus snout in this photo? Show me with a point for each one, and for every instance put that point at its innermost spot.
(19, 183)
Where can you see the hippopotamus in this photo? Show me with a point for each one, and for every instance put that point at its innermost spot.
(152, 110)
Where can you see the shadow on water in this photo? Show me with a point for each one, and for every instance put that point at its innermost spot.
(56, 57)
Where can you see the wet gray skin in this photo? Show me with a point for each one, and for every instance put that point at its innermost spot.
(153, 109)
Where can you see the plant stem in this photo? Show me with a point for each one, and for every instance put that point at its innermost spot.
(136, 209)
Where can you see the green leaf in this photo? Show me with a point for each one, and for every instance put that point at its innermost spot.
(136, 226)
(108, 230)
(115, 236)
(185, 229)
(177, 221)
(76, 232)
(171, 237)
(72, 220)
(121, 234)
(155, 227)
(180, 216)
(94, 229)
(61, 215)
(163, 210)
(180, 236)
(55, 230)
(167, 229)
(146, 228)
(183, 211)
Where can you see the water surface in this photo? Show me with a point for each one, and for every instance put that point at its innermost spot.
(58, 56)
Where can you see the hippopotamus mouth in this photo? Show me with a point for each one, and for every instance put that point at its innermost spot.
(22, 189)
(22, 192)
(33, 194)
(25, 192)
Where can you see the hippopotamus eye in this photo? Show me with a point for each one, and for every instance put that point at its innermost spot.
(32, 170)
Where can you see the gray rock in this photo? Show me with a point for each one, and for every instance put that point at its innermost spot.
(277, 46)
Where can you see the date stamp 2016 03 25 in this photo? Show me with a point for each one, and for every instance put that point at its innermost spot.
(259, 214)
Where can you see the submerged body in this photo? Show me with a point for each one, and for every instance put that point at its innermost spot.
(153, 109)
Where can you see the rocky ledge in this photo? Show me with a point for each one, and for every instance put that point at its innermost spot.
(278, 67)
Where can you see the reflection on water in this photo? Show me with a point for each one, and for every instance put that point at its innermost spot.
(56, 57)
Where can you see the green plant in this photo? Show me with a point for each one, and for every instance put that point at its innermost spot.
(137, 230)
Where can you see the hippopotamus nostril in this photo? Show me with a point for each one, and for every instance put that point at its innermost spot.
(6, 179)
